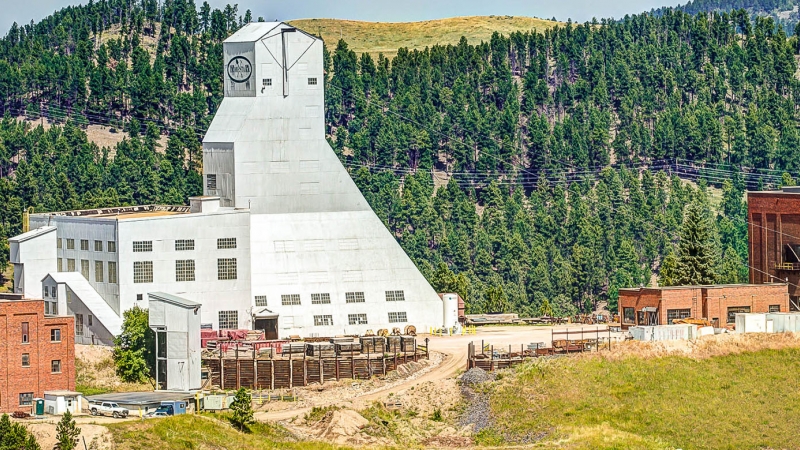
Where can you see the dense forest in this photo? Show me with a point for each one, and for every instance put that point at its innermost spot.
(537, 172)
(784, 12)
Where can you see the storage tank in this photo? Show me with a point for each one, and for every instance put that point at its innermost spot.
(450, 305)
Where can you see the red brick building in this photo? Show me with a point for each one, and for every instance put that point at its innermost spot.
(774, 238)
(37, 352)
(718, 303)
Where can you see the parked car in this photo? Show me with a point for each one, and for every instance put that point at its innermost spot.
(107, 408)
(166, 409)
(156, 413)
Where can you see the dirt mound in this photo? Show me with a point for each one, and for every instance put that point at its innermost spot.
(476, 376)
(96, 436)
(336, 424)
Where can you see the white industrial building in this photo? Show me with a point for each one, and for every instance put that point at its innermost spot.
(282, 239)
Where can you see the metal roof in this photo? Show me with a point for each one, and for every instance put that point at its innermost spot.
(91, 299)
(32, 234)
(252, 31)
(174, 299)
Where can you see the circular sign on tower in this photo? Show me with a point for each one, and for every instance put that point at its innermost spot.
(239, 69)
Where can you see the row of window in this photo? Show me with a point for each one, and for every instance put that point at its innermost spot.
(111, 246)
(183, 245)
(55, 365)
(325, 298)
(55, 333)
(99, 270)
(266, 82)
(227, 269)
(359, 319)
(628, 314)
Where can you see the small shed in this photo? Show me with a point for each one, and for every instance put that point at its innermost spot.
(59, 402)
(176, 322)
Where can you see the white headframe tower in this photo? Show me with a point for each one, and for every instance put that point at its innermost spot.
(312, 231)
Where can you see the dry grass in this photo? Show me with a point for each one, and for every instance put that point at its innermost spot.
(387, 37)
(95, 372)
(737, 392)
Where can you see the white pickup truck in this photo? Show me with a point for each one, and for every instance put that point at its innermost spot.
(107, 408)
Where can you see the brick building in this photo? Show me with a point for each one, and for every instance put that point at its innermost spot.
(718, 303)
(37, 352)
(774, 239)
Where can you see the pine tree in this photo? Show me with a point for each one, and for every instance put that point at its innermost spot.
(698, 258)
(67, 433)
(242, 408)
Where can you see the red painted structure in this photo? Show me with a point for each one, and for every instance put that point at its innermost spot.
(37, 352)
(774, 239)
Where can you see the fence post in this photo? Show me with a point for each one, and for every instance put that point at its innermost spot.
(291, 370)
(255, 368)
(427, 349)
(238, 368)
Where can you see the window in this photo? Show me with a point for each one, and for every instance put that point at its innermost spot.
(112, 246)
(139, 297)
(266, 82)
(26, 360)
(674, 314)
(60, 264)
(70, 244)
(112, 272)
(224, 243)
(396, 317)
(322, 321)
(354, 297)
(395, 296)
(55, 366)
(26, 399)
(25, 330)
(70, 265)
(774, 308)
(98, 246)
(59, 244)
(320, 299)
(228, 320)
(55, 335)
(290, 300)
(357, 319)
(85, 268)
(184, 244)
(85, 245)
(143, 271)
(45, 292)
(184, 270)
(90, 320)
(226, 269)
(98, 271)
(312, 81)
(78, 324)
(261, 300)
(142, 246)
(51, 308)
(53, 292)
(211, 181)
(733, 310)
(628, 315)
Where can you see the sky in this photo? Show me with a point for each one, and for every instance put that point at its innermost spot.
(377, 10)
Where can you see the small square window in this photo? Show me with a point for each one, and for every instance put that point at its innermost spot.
(143, 271)
(55, 366)
(112, 247)
(70, 244)
(26, 399)
(98, 246)
(226, 269)
(266, 82)
(85, 245)
(261, 300)
(139, 297)
(774, 308)
(26, 360)
(228, 320)
(184, 270)
(55, 335)
(211, 181)
(312, 81)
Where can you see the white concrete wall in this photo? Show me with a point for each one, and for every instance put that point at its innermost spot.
(215, 295)
(33, 258)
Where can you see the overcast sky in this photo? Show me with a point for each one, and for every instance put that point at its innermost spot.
(23, 11)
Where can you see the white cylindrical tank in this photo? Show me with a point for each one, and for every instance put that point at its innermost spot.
(450, 304)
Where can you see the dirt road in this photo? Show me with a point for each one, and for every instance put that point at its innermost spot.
(454, 350)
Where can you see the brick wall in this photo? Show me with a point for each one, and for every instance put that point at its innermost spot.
(38, 376)
(757, 298)
(774, 222)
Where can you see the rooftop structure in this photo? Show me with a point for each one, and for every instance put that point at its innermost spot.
(282, 240)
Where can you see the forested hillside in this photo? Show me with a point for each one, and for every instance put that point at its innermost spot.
(534, 172)
(784, 12)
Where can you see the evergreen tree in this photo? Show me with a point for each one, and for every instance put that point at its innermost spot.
(67, 433)
(242, 410)
(697, 256)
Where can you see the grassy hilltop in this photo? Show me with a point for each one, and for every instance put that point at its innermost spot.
(387, 37)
